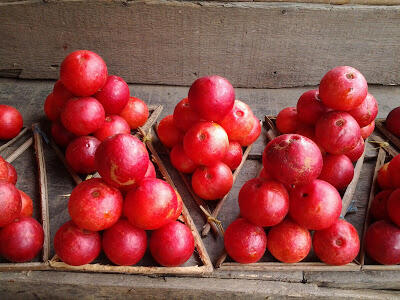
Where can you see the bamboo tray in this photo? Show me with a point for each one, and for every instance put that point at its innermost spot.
(42, 264)
(310, 264)
(200, 262)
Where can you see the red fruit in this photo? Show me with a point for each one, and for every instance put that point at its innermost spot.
(61, 136)
(289, 242)
(124, 244)
(378, 208)
(233, 156)
(383, 178)
(263, 203)
(264, 175)
(10, 203)
(12, 174)
(95, 206)
(80, 154)
(21, 240)
(212, 97)
(83, 72)
(151, 171)
(366, 112)
(337, 132)
(206, 143)
(61, 92)
(253, 135)
(292, 159)
(310, 108)
(394, 171)
(114, 95)
(184, 116)
(135, 112)
(357, 151)
(151, 205)
(212, 182)
(337, 245)
(10, 122)
(343, 88)
(113, 125)
(338, 170)
(76, 246)
(82, 116)
(4, 170)
(179, 208)
(286, 121)
(180, 160)
(393, 121)
(382, 243)
(122, 161)
(245, 242)
(26, 204)
(53, 106)
(316, 205)
(367, 130)
(172, 245)
(393, 207)
(168, 133)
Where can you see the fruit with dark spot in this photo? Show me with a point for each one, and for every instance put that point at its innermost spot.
(80, 154)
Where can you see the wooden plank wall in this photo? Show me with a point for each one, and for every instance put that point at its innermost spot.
(253, 44)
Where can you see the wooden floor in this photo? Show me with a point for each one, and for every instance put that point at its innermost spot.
(28, 97)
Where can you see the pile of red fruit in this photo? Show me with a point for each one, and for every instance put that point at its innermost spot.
(21, 236)
(128, 198)
(393, 121)
(382, 239)
(206, 133)
(297, 191)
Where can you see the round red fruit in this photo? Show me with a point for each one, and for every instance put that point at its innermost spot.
(310, 108)
(394, 171)
(124, 244)
(367, 130)
(27, 204)
(181, 161)
(135, 112)
(53, 107)
(151, 171)
(83, 72)
(393, 207)
(264, 174)
(61, 136)
(10, 122)
(168, 133)
(12, 174)
(10, 203)
(366, 112)
(338, 170)
(343, 88)
(212, 182)
(95, 206)
(378, 208)
(233, 156)
(113, 125)
(4, 170)
(286, 120)
(80, 154)
(245, 242)
(393, 121)
(114, 95)
(61, 92)
(184, 116)
(253, 134)
(355, 153)
(383, 178)
(289, 242)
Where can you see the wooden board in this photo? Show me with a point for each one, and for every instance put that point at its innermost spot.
(253, 44)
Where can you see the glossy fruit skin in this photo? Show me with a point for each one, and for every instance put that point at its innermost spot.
(12, 174)
(135, 112)
(61, 136)
(392, 122)
(343, 88)
(309, 107)
(337, 245)
(289, 242)
(355, 153)
(83, 72)
(26, 204)
(151, 171)
(378, 208)
(113, 124)
(366, 112)
(10, 122)
(172, 245)
(206, 143)
(286, 120)
(233, 156)
(94, 205)
(114, 95)
(383, 177)
(151, 205)
(394, 171)
(367, 130)
(181, 161)
(338, 170)
(21, 240)
(245, 242)
(4, 170)
(393, 207)
(263, 203)
(53, 107)
(212, 97)
(382, 243)
(76, 246)
(122, 161)
(315, 206)
(337, 132)
(124, 244)
(253, 134)
(82, 116)
(10, 203)
(212, 182)
(292, 159)
(184, 116)
(168, 133)
(80, 154)
(179, 208)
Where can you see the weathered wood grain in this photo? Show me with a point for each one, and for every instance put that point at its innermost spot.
(253, 44)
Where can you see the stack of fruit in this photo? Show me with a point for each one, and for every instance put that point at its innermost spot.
(206, 133)
(297, 190)
(382, 239)
(128, 198)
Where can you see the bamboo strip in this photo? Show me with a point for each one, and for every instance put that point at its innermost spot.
(9, 143)
(278, 266)
(11, 267)
(60, 155)
(21, 149)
